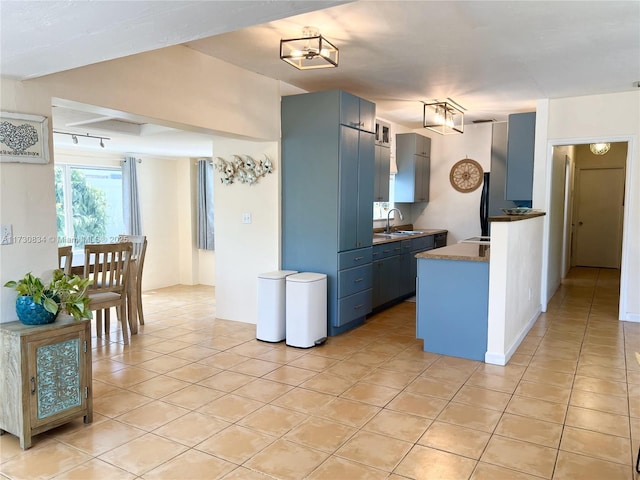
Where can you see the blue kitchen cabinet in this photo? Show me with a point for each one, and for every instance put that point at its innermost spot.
(327, 195)
(520, 150)
(453, 305)
(413, 158)
(382, 171)
(386, 273)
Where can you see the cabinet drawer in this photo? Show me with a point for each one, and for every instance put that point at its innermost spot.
(353, 307)
(354, 280)
(405, 246)
(422, 243)
(353, 258)
(385, 250)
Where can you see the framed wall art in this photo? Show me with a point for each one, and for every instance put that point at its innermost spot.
(24, 138)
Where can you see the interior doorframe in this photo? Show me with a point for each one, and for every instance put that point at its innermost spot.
(623, 313)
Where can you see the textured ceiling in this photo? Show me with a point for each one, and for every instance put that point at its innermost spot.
(492, 57)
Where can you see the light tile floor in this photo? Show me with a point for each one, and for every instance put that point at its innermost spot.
(193, 397)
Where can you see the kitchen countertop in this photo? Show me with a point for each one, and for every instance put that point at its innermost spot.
(515, 218)
(470, 252)
(377, 239)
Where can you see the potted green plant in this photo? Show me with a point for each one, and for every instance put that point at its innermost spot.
(38, 303)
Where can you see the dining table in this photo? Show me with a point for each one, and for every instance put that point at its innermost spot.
(77, 268)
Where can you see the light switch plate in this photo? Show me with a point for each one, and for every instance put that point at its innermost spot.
(6, 234)
(246, 218)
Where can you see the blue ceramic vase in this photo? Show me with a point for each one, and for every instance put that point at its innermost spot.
(31, 313)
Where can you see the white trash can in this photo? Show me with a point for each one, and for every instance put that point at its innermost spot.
(271, 305)
(306, 312)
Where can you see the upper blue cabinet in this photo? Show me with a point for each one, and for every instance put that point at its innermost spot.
(413, 157)
(357, 112)
(520, 149)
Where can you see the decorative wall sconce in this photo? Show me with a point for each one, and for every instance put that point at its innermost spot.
(310, 51)
(444, 118)
(599, 148)
(242, 170)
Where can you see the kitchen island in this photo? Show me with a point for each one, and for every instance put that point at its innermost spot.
(478, 301)
(453, 299)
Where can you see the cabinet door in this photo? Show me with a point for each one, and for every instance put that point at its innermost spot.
(56, 373)
(407, 274)
(382, 169)
(377, 284)
(367, 116)
(366, 174)
(413, 159)
(348, 188)
(423, 168)
(389, 276)
(350, 110)
(520, 150)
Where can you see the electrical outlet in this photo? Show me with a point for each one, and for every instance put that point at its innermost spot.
(246, 218)
(6, 234)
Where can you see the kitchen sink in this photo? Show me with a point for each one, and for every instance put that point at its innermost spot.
(399, 233)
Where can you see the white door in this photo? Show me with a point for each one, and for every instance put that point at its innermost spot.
(598, 220)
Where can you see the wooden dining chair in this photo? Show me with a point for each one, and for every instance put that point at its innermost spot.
(107, 265)
(65, 257)
(139, 243)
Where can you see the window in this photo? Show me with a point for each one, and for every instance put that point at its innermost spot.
(88, 205)
(380, 209)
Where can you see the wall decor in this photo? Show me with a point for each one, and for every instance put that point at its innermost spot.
(242, 169)
(466, 175)
(24, 138)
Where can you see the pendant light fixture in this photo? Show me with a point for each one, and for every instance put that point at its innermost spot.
(444, 118)
(310, 51)
(599, 148)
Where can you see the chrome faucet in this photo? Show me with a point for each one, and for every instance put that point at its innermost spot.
(388, 229)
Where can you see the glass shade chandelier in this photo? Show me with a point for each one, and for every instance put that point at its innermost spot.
(599, 148)
(310, 51)
(444, 118)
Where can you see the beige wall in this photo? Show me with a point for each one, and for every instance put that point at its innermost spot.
(577, 120)
(173, 85)
(447, 208)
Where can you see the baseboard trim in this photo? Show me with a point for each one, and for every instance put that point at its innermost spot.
(502, 359)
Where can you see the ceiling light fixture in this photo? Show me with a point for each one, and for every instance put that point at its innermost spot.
(310, 51)
(599, 148)
(444, 118)
(74, 137)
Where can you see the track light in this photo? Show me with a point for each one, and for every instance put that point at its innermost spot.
(74, 137)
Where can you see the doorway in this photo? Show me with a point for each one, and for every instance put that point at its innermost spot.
(597, 205)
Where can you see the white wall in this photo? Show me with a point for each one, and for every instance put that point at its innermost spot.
(159, 211)
(515, 275)
(447, 208)
(245, 250)
(612, 117)
(174, 85)
(556, 219)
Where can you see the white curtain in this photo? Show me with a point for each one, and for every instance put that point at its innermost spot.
(205, 204)
(130, 197)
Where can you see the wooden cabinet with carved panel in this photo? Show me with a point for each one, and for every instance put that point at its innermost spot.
(46, 376)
